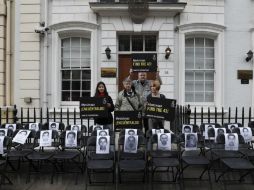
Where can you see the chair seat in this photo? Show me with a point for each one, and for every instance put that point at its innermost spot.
(19, 153)
(238, 163)
(64, 155)
(227, 153)
(161, 154)
(100, 164)
(2, 162)
(249, 153)
(165, 162)
(132, 165)
(195, 160)
(40, 155)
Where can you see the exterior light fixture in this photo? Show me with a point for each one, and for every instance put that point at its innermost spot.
(108, 51)
(167, 52)
(249, 56)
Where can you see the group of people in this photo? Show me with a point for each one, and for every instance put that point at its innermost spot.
(133, 97)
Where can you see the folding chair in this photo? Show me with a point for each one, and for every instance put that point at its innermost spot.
(161, 160)
(98, 164)
(132, 162)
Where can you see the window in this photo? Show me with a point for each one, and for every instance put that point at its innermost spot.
(199, 70)
(75, 68)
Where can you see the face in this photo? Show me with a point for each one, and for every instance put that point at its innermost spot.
(131, 141)
(2, 133)
(101, 88)
(103, 142)
(127, 86)
(192, 140)
(142, 76)
(220, 131)
(231, 140)
(33, 126)
(187, 130)
(10, 127)
(164, 139)
(153, 89)
(245, 131)
(45, 136)
(75, 128)
(23, 132)
(131, 133)
(71, 138)
(53, 125)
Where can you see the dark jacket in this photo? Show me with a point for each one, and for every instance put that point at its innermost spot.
(109, 119)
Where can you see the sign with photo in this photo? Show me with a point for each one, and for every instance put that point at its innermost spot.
(1, 145)
(232, 126)
(71, 138)
(219, 131)
(131, 132)
(144, 62)
(97, 127)
(191, 141)
(164, 141)
(11, 127)
(231, 141)
(76, 127)
(128, 119)
(104, 132)
(187, 129)
(34, 126)
(246, 133)
(102, 144)
(131, 143)
(3, 132)
(159, 108)
(21, 136)
(46, 138)
(207, 127)
(156, 131)
(53, 126)
(93, 107)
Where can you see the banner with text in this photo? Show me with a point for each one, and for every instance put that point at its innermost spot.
(128, 119)
(144, 62)
(92, 107)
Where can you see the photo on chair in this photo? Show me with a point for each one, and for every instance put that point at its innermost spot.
(21, 136)
(187, 129)
(34, 126)
(164, 141)
(3, 132)
(231, 141)
(191, 141)
(97, 127)
(246, 133)
(76, 127)
(232, 126)
(53, 126)
(102, 144)
(131, 132)
(104, 132)
(219, 131)
(46, 138)
(207, 127)
(1, 145)
(71, 138)
(156, 131)
(11, 127)
(131, 143)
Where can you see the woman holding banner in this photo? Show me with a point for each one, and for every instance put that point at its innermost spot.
(101, 91)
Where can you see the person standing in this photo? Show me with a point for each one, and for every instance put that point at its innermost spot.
(101, 92)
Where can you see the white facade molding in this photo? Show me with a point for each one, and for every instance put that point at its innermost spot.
(70, 24)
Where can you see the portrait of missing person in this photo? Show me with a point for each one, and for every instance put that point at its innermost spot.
(1, 144)
(207, 127)
(131, 132)
(3, 132)
(71, 138)
(164, 141)
(219, 131)
(21, 136)
(11, 127)
(131, 143)
(97, 127)
(46, 138)
(53, 126)
(102, 144)
(232, 126)
(34, 126)
(191, 140)
(104, 132)
(231, 141)
(156, 131)
(187, 129)
(246, 133)
(76, 127)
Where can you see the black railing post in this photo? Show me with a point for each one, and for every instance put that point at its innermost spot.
(7, 115)
(208, 114)
(34, 115)
(27, 116)
(68, 116)
(249, 114)
(236, 114)
(202, 115)
(61, 115)
(215, 114)
(54, 114)
(188, 113)
(1, 116)
(195, 115)
(47, 115)
(41, 116)
(242, 116)
(22, 115)
(222, 115)
(15, 112)
(229, 114)
(74, 116)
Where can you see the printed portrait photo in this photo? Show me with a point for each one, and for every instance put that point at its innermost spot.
(187, 129)
(46, 138)
(104, 132)
(131, 132)
(21, 136)
(11, 127)
(207, 127)
(102, 144)
(231, 141)
(1, 145)
(71, 138)
(164, 141)
(131, 143)
(53, 126)
(232, 126)
(76, 127)
(97, 127)
(34, 126)
(246, 133)
(219, 131)
(191, 141)
(156, 131)
(3, 132)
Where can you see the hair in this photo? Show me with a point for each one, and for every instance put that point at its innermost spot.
(131, 131)
(163, 135)
(71, 132)
(97, 91)
(156, 84)
(232, 135)
(245, 129)
(52, 124)
(10, 126)
(188, 127)
(232, 126)
(2, 131)
(46, 132)
(102, 138)
(23, 131)
(103, 131)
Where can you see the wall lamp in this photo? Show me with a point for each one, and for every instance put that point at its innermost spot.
(167, 52)
(108, 51)
(249, 56)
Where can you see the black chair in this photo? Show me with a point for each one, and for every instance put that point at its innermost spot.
(69, 159)
(162, 160)
(99, 164)
(132, 162)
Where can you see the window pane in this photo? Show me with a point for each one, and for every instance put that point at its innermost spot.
(189, 75)
(86, 74)
(209, 96)
(189, 86)
(75, 85)
(150, 43)
(75, 53)
(66, 75)
(86, 85)
(85, 63)
(209, 42)
(137, 43)
(75, 42)
(66, 63)
(66, 43)
(75, 63)
(209, 52)
(199, 86)
(199, 53)
(76, 75)
(209, 86)
(199, 76)
(85, 94)
(66, 96)
(85, 52)
(189, 58)
(85, 42)
(209, 75)
(199, 64)
(66, 52)
(189, 97)
(66, 85)
(124, 43)
(189, 42)
(209, 63)
(199, 42)
(199, 97)
(75, 96)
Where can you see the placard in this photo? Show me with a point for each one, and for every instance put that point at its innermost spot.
(71, 138)
(34, 126)
(128, 119)
(159, 108)
(164, 141)
(191, 141)
(53, 126)
(76, 127)
(231, 141)
(144, 62)
(102, 144)
(187, 129)
(246, 133)
(92, 107)
(1, 145)
(3, 132)
(130, 143)
(103, 132)
(46, 138)
(21, 136)
(11, 127)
